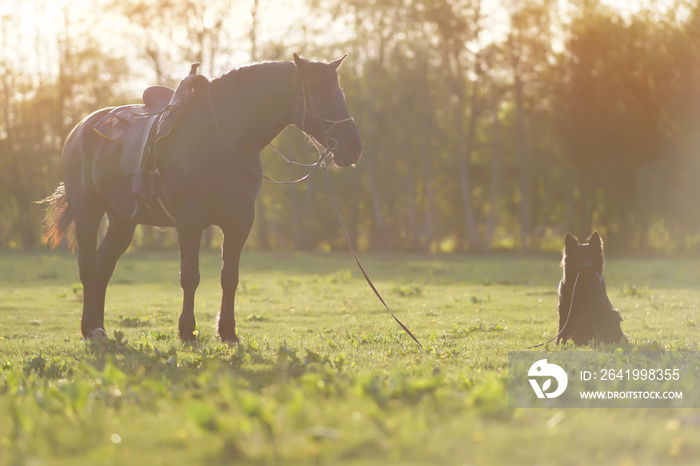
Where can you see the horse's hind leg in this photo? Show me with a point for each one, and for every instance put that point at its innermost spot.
(88, 213)
(116, 241)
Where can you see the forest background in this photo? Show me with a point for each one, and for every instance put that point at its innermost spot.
(487, 124)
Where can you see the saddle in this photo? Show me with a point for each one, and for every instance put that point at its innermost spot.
(140, 127)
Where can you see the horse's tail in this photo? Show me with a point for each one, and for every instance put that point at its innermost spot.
(58, 218)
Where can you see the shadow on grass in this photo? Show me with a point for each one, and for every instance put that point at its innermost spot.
(183, 363)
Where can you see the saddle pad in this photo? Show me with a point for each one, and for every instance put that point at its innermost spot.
(130, 125)
(115, 123)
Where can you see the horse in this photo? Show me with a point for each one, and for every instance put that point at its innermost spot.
(211, 174)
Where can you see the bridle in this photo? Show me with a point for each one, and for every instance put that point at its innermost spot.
(328, 142)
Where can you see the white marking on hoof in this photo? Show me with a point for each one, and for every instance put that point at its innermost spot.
(98, 334)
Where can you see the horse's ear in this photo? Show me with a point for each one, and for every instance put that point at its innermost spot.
(303, 65)
(570, 241)
(300, 62)
(336, 63)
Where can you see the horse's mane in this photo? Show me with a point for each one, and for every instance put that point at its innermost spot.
(258, 97)
(263, 76)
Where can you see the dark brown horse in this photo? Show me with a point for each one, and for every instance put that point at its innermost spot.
(211, 171)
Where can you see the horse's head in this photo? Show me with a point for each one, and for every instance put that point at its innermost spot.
(322, 113)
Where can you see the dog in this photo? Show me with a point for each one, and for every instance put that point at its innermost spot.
(585, 312)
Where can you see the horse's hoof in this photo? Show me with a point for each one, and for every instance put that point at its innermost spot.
(189, 337)
(97, 334)
(229, 338)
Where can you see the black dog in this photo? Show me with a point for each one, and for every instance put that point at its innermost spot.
(585, 312)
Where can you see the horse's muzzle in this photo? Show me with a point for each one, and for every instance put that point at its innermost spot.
(346, 154)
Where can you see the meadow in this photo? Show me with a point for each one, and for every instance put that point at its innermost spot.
(322, 374)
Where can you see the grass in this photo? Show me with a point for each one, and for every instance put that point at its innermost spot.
(322, 374)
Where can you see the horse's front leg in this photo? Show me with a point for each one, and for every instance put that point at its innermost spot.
(189, 236)
(234, 238)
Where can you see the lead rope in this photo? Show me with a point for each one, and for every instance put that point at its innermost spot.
(571, 305)
(354, 255)
(327, 139)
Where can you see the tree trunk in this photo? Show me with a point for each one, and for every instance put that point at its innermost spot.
(412, 214)
(378, 241)
(465, 143)
(262, 226)
(207, 237)
(523, 156)
(428, 225)
(294, 216)
(495, 194)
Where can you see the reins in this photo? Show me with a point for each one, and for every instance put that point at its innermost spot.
(568, 315)
(313, 166)
(362, 269)
(329, 144)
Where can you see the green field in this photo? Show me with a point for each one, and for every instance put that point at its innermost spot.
(322, 374)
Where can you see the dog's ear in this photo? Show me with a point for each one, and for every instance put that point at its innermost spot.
(596, 241)
(570, 241)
